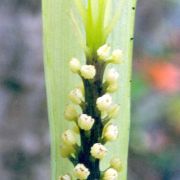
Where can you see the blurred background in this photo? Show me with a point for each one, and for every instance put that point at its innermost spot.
(154, 152)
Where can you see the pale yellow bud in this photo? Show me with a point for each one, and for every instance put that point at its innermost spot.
(85, 122)
(68, 137)
(74, 65)
(113, 111)
(66, 150)
(81, 87)
(81, 172)
(65, 177)
(88, 71)
(98, 151)
(112, 87)
(104, 102)
(110, 174)
(103, 52)
(70, 113)
(116, 164)
(116, 56)
(112, 76)
(110, 132)
(76, 96)
(76, 129)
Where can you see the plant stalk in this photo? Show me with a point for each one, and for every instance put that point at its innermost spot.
(60, 44)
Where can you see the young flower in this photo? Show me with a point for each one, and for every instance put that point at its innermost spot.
(68, 137)
(85, 122)
(112, 76)
(98, 151)
(66, 150)
(81, 172)
(110, 174)
(65, 177)
(74, 65)
(103, 52)
(88, 71)
(110, 132)
(116, 164)
(112, 87)
(70, 113)
(116, 56)
(113, 111)
(76, 96)
(104, 102)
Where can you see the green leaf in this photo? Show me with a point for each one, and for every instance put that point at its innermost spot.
(60, 44)
(80, 6)
(115, 18)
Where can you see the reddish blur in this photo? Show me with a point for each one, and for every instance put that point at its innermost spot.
(164, 76)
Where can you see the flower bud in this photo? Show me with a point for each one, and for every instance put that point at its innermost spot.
(104, 102)
(113, 111)
(116, 164)
(76, 96)
(110, 132)
(103, 52)
(98, 151)
(74, 65)
(85, 122)
(65, 177)
(66, 150)
(110, 174)
(76, 129)
(88, 71)
(81, 172)
(112, 76)
(68, 137)
(112, 87)
(81, 87)
(116, 56)
(70, 113)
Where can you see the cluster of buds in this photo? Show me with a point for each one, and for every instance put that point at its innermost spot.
(85, 122)
(111, 80)
(85, 71)
(104, 54)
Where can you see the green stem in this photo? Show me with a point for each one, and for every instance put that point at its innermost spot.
(93, 90)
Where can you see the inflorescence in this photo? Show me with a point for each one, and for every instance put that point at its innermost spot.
(93, 123)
